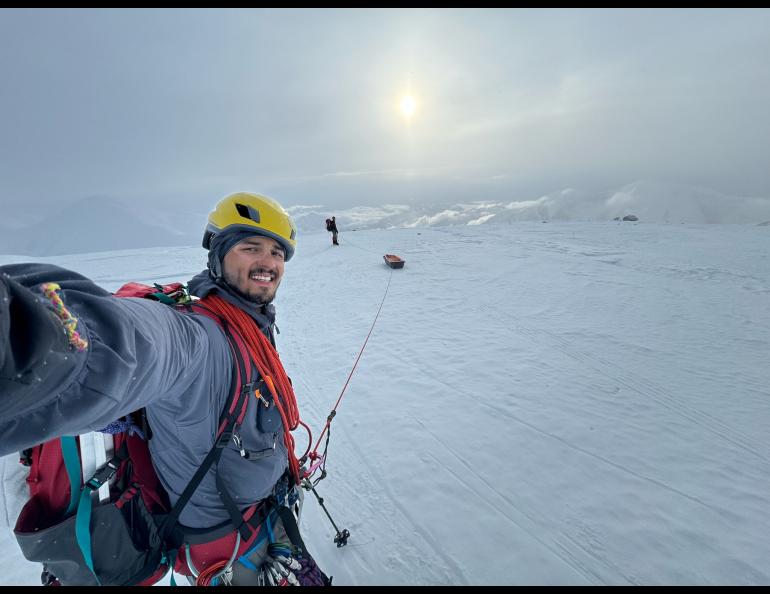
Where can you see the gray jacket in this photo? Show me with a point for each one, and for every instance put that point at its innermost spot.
(141, 353)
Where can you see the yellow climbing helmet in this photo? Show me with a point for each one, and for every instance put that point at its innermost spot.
(252, 212)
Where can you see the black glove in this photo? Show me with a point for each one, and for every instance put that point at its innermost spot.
(29, 332)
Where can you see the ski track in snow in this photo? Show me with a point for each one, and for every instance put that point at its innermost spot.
(646, 388)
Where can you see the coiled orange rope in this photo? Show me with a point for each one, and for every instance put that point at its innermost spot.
(268, 364)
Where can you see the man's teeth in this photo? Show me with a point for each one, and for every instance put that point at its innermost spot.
(265, 278)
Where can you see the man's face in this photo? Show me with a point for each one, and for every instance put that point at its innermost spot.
(254, 268)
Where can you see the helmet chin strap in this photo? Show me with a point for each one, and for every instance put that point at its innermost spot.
(220, 244)
(215, 267)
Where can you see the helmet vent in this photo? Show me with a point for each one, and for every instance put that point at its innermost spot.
(247, 212)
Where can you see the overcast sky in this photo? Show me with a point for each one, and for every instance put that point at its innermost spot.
(305, 104)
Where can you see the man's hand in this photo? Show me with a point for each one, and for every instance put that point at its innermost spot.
(29, 331)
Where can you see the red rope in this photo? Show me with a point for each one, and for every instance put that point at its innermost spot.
(314, 453)
(204, 579)
(267, 362)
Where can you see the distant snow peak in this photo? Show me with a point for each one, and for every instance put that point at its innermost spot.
(100, 223)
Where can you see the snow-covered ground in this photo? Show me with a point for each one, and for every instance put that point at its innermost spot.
(560, 403)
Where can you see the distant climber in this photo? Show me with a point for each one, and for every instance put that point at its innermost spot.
(331, 225)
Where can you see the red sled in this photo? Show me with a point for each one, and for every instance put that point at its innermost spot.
(393, 261)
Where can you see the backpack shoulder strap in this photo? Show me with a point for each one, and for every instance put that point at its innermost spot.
(229, 421)
(170, 294)
(175, 294)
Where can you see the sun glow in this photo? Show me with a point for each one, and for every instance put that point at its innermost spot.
(408, 106)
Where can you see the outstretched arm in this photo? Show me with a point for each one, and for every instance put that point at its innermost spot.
(134, 352)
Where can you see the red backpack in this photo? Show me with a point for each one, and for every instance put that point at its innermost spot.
(133, 538)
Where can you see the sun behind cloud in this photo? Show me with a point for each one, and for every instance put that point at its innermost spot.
(408, 106)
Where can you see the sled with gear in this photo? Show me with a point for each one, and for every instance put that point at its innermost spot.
(95, 523)
(393, 261)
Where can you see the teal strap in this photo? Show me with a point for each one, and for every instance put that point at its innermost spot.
(83, 529)
(163, 298)
(171, 560)
(248, 564)
(269, 526)
(71, 457)
(243, 559)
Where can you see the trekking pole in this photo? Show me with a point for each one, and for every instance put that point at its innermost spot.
(342, 537)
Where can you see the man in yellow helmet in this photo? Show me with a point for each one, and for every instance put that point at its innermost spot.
(74, 358)
(249, 238)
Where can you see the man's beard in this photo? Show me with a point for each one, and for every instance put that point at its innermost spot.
(255, 299)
